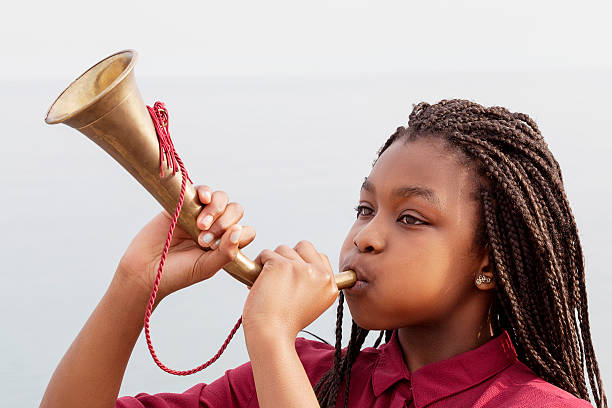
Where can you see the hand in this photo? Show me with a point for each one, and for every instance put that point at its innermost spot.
(186, 262)
(295, 287)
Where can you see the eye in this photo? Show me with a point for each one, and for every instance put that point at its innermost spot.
(359, 208)
(415, 220)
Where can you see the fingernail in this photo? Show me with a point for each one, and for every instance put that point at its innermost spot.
(207, 237)
(235, 236)
(216, 244)
(206, 195)
(206, 221)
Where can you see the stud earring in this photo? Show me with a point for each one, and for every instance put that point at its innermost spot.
(483, 279)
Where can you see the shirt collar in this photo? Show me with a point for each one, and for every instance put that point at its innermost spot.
(442, 378)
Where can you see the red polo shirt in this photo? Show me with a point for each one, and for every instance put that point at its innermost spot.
(488, 376)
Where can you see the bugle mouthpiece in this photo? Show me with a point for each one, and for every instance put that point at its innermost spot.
(346, 279)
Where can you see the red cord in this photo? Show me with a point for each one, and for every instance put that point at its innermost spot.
(159, 115)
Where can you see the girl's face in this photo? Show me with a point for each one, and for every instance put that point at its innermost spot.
(411, 242)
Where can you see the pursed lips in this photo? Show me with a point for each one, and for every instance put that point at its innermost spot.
(361, 276)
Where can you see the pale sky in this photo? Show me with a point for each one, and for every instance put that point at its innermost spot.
(293, 151)
(62, 38)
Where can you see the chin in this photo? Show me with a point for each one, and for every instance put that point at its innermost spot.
(368, 324)
(374, 321)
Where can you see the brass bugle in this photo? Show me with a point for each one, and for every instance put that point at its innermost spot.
(105, 105)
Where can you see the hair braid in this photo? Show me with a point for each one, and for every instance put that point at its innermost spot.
(379, 339)
(331, 379)
(533, 242)
(534, 202)
(354, 347)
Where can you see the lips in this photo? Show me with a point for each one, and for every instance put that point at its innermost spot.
(361, 276)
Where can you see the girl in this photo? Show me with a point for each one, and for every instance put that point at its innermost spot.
(468, 262)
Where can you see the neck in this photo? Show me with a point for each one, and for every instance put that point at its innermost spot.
(465, 329)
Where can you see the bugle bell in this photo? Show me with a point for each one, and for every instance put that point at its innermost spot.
(104, 104)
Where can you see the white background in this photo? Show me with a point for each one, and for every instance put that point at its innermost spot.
(283, 105)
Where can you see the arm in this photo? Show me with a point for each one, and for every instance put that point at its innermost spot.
(91, 371)
(93, 367)
(295, 287)
(280, 378)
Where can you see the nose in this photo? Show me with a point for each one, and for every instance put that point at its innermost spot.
(369, 239)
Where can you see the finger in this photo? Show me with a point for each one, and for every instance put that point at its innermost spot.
(206, 239)
(266, 256)
(232, 214)
(308, 252)
(247, 235)
(227, 245)
(226, 252)
(326, 261)
(288, 252)
(213, 210)
(204, 194)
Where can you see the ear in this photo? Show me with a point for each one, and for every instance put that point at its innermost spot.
(483, 278)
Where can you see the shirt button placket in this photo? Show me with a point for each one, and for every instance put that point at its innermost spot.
(409, 396)
(403, 396)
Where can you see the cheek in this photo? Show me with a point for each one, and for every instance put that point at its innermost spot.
(424, 277)
(424, 260)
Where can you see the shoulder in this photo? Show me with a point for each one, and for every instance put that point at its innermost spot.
(316, 357)
(234, 389)
(313, 349)
(237, 386)
(519, 386)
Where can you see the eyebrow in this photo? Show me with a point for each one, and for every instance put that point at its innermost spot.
(406, 192)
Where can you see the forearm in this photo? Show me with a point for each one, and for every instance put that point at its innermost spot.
(280, 378)
(91, 371)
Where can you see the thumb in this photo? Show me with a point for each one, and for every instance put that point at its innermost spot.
(210, 262)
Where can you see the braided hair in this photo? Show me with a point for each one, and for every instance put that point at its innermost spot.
(531, 235)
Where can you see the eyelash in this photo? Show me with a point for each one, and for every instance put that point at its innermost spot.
(420, 222)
